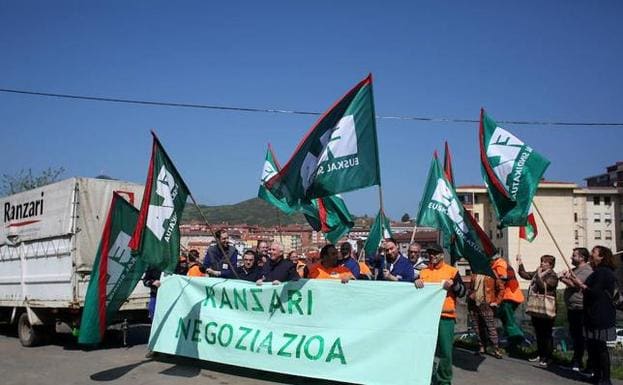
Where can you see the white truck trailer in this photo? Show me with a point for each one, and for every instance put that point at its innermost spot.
(48, 242)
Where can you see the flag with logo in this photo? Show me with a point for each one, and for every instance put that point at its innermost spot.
(115, 272)
(337, 155)
(511, 171)
(270, 169)
(380, 230)
(529, 231)
(440, 208)
(330, 216)
(157, 234)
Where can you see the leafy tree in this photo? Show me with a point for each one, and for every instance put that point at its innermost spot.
(25, 180)
(405, 217)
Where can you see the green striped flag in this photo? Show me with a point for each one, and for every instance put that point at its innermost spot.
(380, 230)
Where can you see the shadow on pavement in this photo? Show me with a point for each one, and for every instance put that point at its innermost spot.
(115, 373)
(184, 363)
(466, 360)
(182, 371)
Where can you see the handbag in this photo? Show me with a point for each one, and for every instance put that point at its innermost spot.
(540, 305)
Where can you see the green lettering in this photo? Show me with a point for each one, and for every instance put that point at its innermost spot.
(196, 330)
(298, 347)
(320, 348)
(336, 352)
(257, 333)
(225, 300)
(282, 352)
(183, 327)
(275, 302)
(240, 298)
(267, 343)
(220, 335)
(258, 305)
(209, 297)
(246, 332)
(309, 302)
(210, 337)
(295, 302)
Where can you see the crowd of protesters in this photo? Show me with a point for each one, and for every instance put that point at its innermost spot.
(590, 294)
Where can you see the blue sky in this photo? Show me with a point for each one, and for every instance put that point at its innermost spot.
(521, 60)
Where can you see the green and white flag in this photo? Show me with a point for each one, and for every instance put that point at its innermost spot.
(115, 272)
(529, 231)
(337, 155)
(330, 216)
(511, 171)
(270, 169)
(380, 230)
(157, 234)
(440, 208)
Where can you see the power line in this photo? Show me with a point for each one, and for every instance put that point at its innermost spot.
(295, 112)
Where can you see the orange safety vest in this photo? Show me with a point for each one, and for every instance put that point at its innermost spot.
(194, 271)
(339, 272)
(436, 274)
(506, 273)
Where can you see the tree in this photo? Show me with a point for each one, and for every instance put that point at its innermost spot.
(405, 217)
(25, 180)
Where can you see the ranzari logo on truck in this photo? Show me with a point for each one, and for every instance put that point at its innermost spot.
(25, 210)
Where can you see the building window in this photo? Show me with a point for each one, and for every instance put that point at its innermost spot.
(490, 234)
(575, 217)
(597, 234)
(501, 251)
(475, 198)
(596, 201)
(607, 201)
(576, 235)
(477, 217)
(597, 218)
(607, 218)
(608, 235)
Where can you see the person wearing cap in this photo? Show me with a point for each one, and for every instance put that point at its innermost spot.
(397, 267)
(346, 259)
(440, 272)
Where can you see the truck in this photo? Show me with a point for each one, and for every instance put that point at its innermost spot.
(48, 243)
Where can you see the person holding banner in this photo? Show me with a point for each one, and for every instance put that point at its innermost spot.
(278, 269)
(329, 266)
(418, 259)
(249, 271)
(440, 272)
(397, 266)
(216, 264)
(544, 280)
(261, 253)
(346, 259)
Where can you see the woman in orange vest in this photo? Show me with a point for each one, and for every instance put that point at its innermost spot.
(195, 269)
(436, 272)
(329, 267)
(511, 299)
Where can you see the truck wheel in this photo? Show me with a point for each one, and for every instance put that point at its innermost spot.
(28, 335)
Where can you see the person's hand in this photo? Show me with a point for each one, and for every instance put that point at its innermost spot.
(259, 282)
(345, 279)
(518, 259)
(276, 282)
(448, 284)
(419, 283)
(156, 283)
(387, 275)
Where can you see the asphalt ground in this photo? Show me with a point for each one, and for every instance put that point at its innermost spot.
(62, 361)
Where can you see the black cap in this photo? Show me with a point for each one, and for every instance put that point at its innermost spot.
(434, 248)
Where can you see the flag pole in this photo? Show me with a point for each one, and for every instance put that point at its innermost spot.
(205, 219)
(552, 236)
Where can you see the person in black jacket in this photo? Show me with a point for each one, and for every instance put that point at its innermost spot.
(599, 311)
(151, 279)
(249, 271)
(278, 269)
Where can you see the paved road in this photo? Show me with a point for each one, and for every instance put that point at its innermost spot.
(63, 362)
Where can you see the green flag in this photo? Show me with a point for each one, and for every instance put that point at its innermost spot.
(270, 169)
(380, 230)
(115, 272)
(511, 171)
(440, 208)
(529, 231)
(329, 215)
(157, 234)
(337, 155)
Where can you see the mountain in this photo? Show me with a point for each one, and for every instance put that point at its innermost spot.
(253, 211)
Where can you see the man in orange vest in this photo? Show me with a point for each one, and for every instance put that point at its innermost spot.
(511, 299)
(436, 272)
